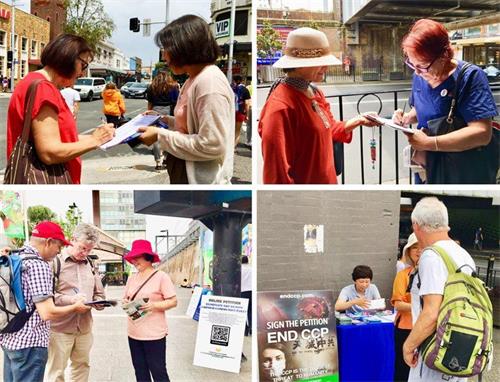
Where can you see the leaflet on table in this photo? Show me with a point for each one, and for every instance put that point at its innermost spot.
(390, 123)
(104, 303)
(133, 310)
(377, 304)
(129, 130)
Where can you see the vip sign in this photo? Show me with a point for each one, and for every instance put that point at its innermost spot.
(222, 28)
(4, 14)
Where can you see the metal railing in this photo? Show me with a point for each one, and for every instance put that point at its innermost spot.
(396, 101)
(342, 74)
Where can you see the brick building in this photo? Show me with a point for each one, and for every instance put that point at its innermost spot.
(360, 227)
(31, 36)
(54, 11)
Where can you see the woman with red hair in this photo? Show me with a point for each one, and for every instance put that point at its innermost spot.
(452, 105)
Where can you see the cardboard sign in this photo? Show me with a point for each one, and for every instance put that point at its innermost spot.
(221, 330)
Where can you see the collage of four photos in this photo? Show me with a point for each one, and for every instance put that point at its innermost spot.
(250, 190)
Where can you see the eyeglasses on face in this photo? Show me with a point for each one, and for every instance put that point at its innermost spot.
(418, 67)
(85, 64)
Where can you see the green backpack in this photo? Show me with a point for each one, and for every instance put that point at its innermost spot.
(462, 343)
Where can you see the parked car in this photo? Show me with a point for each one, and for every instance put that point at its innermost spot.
(90, 87)
(136, 90)
(492, 72)
(125, 87)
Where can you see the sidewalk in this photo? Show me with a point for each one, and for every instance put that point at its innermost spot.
(110, 357)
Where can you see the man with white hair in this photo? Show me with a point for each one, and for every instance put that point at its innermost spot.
(75, 277)
(25, 351)
(430, 225)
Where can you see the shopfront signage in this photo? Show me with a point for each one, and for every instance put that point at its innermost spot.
(222, 28)
(4, 14)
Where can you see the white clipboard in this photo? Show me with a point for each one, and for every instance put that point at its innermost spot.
(388, 122)
(129, 129)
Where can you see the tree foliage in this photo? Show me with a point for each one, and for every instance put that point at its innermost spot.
(73, 217)
(37, 214)
(86, 18)
(268, 41)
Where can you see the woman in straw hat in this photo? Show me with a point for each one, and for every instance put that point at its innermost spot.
(401, 300)
(296, 125)
(147, 331)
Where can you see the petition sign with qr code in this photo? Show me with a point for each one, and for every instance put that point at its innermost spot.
(221, 330)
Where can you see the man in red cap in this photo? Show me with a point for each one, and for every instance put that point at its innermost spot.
(25, 351)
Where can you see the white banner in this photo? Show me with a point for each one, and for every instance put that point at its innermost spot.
(221, 330)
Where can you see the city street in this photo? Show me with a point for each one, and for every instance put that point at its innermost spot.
(110, 357)
(121, 164)
(352, 151)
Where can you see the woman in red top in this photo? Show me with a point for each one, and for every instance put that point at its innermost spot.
(53, 128)
(296, 124)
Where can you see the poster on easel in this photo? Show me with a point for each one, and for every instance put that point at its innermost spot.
(297, 339)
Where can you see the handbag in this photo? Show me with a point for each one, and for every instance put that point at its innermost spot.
(24, 166)
(474, 166)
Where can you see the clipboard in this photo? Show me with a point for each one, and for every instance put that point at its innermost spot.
(388, 122)
(128, 131)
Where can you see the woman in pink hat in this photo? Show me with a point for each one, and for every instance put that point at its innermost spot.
(296, 125)
(147, 330)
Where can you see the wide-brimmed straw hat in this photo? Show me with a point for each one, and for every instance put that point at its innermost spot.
(412, 240)
(141, 248)
(306, 47)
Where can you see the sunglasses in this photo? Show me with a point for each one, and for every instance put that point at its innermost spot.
(419, 68)
(85, 64)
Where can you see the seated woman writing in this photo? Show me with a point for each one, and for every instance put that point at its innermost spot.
(356, 297)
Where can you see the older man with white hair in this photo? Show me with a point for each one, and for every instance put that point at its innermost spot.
(430, 225)
(75, 277)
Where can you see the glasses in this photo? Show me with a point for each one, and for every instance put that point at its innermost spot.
(85, 64)
(419, 68)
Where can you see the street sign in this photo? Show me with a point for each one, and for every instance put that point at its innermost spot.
(222, 28)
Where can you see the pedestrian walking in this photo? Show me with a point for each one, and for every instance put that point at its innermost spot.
(478, 239)
(72, 98)
(25, 351)
(113, 104)
(202, 131)
(455, 138)
(147, 336)
(54, 134)
(296, 125)
(162, 97)
(242, 98)
(5, 84)
(75, 278)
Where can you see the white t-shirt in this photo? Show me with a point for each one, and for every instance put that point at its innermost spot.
(433, 274)
(71, 96)
(246, 277)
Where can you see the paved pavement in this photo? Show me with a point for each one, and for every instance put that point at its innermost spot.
(110, 356)
(121, 164)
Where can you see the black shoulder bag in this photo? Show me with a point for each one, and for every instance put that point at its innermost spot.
(474, 166)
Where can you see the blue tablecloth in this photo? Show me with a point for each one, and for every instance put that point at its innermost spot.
(366, 352)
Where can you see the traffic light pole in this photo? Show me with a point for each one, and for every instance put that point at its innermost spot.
(231, 43)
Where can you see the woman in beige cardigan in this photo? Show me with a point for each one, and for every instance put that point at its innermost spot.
(202, 129)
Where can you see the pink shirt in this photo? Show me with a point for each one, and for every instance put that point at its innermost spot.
(158, 288)
(180, 111)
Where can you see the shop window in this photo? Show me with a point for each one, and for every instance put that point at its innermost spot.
(23, 68)
(33, 48)
(24, 44)
(2, 38)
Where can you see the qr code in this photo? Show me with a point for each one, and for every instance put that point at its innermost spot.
(220, 335)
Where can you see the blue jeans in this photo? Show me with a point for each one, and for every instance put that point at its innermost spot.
(24, 364)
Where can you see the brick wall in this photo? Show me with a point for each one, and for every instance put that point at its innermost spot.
(360, 227)
(53, 11)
